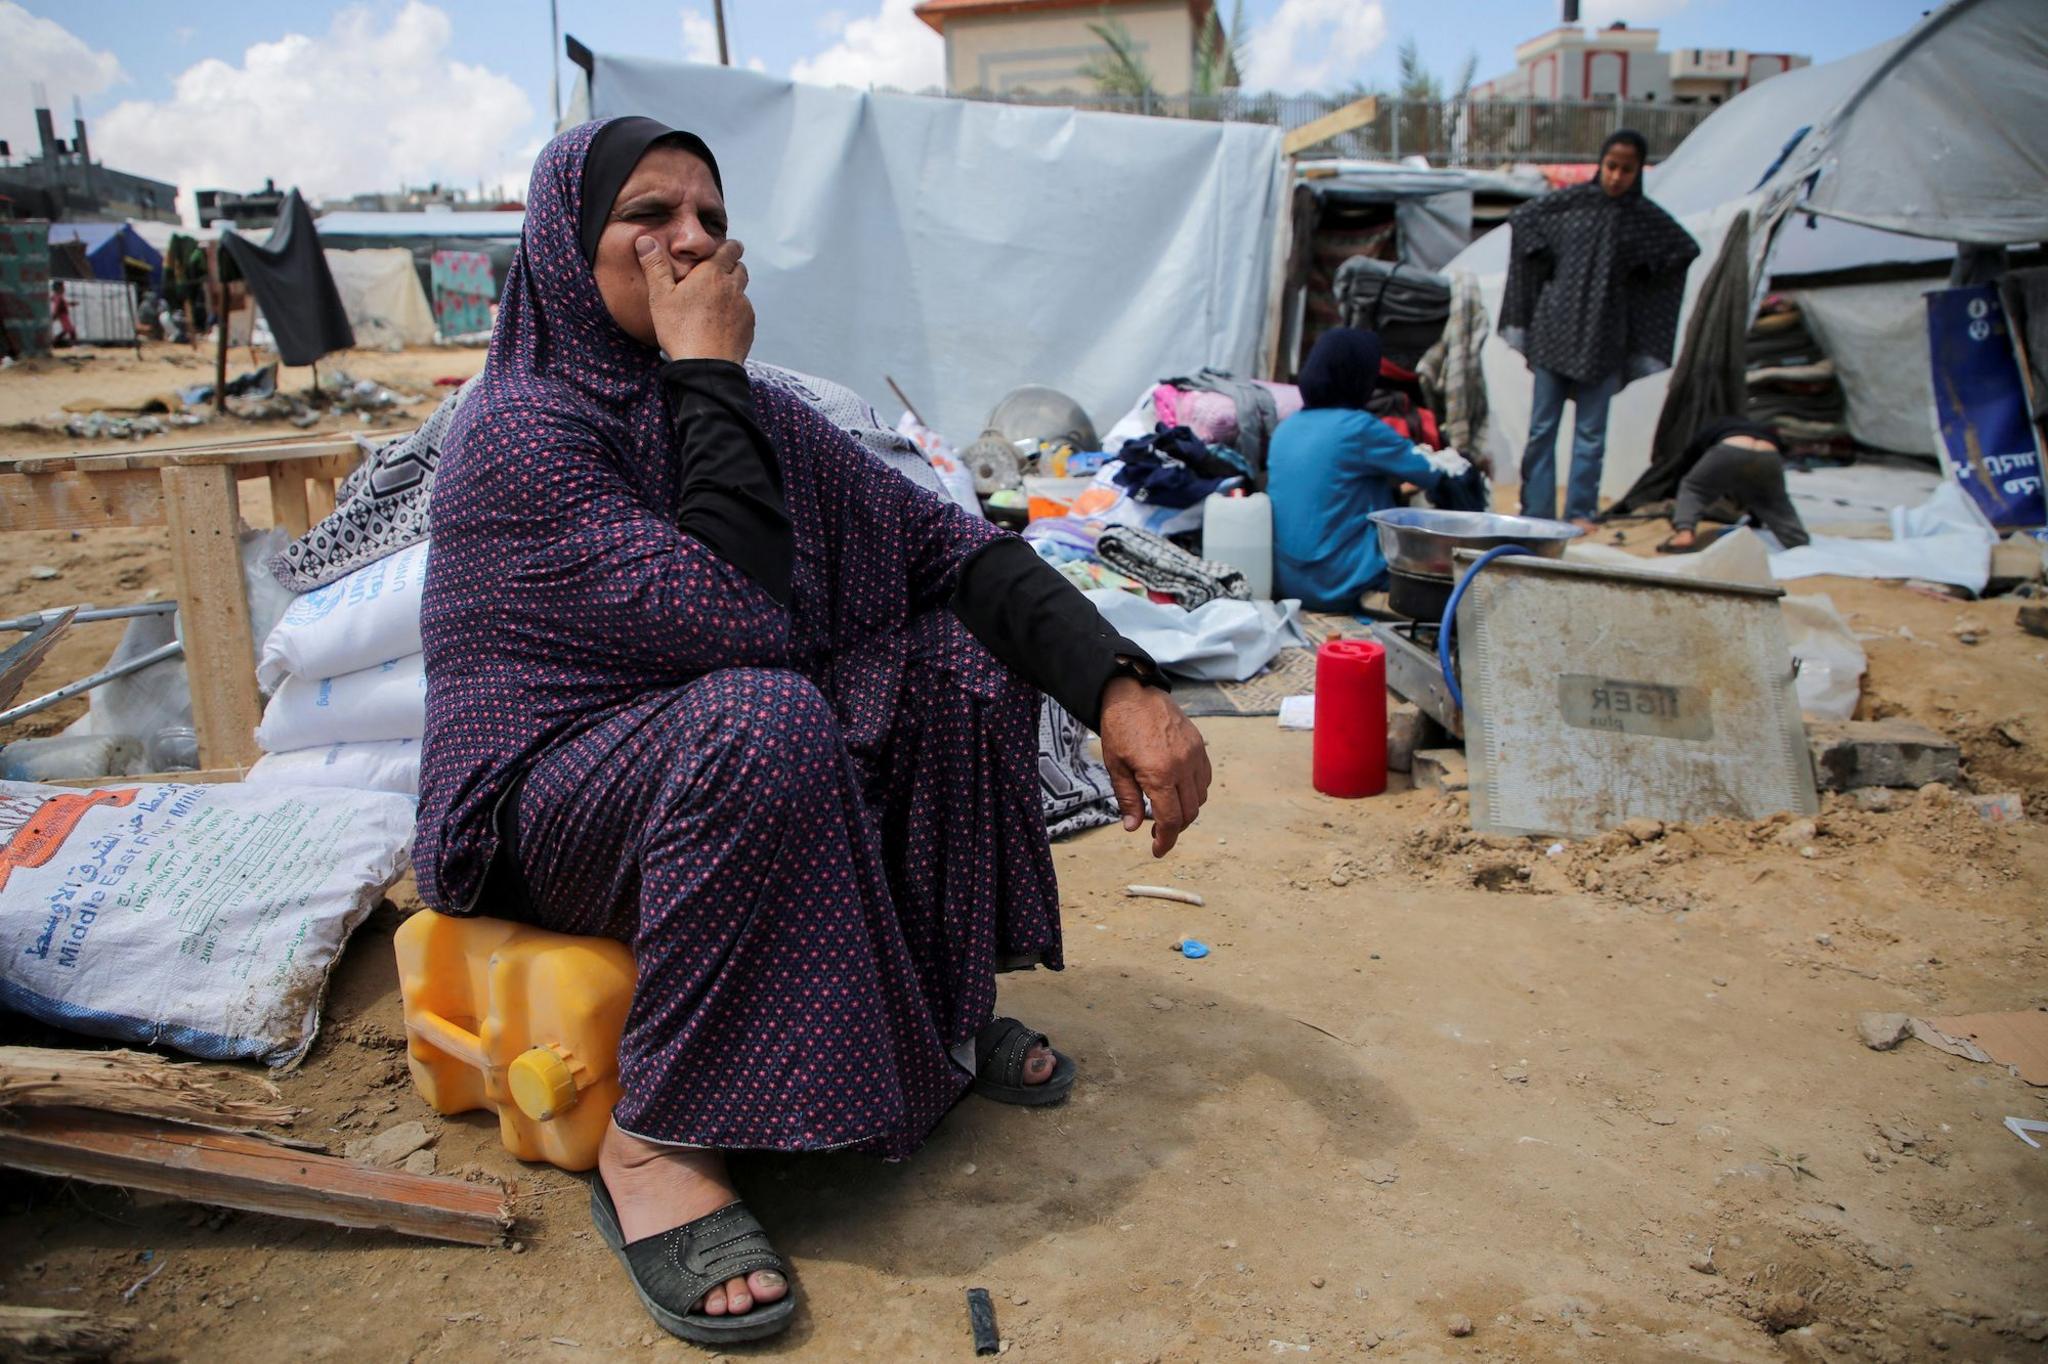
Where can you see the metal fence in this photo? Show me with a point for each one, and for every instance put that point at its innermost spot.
(1448, 132)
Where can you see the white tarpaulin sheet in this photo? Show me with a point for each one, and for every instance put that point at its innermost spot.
(967, 248)
(1943, 540)
(1946, 139)
(381, 292)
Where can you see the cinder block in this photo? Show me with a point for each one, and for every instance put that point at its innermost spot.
(1850, 754)
(1410, 730)
(1439, 769)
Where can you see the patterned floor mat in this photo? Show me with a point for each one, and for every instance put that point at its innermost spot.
(1293, 673)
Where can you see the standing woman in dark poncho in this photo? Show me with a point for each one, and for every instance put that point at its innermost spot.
(1596, 274)
(704, 675)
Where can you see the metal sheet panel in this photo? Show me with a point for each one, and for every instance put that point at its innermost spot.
(1593, 696)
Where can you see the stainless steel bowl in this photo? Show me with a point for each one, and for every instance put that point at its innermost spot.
(1420, 539)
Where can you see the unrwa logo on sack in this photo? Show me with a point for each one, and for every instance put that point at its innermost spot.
(317, 604)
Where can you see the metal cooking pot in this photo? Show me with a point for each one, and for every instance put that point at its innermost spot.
(1420, 539)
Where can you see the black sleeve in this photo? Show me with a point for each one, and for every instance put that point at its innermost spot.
(1040, 627)
(731, 500)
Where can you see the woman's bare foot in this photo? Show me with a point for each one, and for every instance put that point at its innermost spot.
(658, 1187)
(1680, 541)
(1038, 1065)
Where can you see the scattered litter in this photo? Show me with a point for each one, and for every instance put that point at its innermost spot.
(2005, 807)
(1298, 712)
(43, 573)
(2018, 1040)
(2019, 1127)
(981, 1319)
(128, 1294)
(1193, 949)
(1185, 897)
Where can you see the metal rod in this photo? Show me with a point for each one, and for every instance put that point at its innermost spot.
(87, 615)
(718, 13)
(160, 654)
(901, 397)
(555, 59)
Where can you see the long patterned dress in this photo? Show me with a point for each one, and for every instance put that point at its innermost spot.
(817, 826)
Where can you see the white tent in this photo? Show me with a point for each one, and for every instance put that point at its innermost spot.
(381, 291)
(966, 248)
(1889, 156)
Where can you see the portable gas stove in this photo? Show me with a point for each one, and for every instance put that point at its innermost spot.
(1418, 543)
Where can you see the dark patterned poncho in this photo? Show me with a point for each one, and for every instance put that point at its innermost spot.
(1594, 283)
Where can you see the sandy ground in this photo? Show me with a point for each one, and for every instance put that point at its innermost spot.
(1608, 1105)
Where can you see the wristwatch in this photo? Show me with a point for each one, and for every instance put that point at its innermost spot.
(1142, 670)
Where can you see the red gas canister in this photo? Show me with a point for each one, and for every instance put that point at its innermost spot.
(1351, 719)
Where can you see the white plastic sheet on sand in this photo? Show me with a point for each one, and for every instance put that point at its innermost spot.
(1943, 540)
(1219, 641)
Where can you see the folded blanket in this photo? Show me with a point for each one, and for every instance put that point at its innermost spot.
(1166, 568)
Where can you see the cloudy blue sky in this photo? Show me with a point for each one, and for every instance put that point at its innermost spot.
(340, 97)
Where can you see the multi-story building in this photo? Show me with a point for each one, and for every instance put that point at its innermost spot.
(1619, 62)
(1040, 46)
(65, 184)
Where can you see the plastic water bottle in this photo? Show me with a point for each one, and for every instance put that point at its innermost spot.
(1238, 530)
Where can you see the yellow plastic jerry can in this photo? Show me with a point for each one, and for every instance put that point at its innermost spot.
(502, 1016)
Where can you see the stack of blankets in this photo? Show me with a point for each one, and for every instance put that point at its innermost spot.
(1792, 383)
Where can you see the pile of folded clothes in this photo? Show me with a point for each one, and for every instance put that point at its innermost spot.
(1792, 382)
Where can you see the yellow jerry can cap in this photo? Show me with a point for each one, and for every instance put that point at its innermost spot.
(542, 1084)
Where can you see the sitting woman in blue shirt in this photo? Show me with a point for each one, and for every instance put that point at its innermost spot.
(1330, 466)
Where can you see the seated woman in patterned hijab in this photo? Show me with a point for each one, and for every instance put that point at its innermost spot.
(705, 676)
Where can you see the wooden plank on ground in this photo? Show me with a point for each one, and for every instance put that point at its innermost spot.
(288, 500)
(51, 1334)
(201, 510)
(1356, 114)
(135, 1083)
(236, 1170)
(80, 501)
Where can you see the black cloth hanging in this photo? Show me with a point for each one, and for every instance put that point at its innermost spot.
(288, 275)
(1708, 380)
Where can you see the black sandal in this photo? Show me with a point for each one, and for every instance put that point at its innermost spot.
(673, 1271)
(999, 1051)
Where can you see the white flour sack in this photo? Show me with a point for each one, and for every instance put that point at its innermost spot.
(204, 918)
(388, 701)
(385, 765)
(351, 624)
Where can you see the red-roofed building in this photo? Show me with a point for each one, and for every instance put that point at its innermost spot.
(1040, 46)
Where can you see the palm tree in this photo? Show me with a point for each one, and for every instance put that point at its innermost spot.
(1120, 70)
(1217, 51)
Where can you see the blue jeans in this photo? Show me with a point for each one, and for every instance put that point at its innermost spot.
(1589, 444)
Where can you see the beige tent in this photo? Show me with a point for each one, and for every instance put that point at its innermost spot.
(381, 291)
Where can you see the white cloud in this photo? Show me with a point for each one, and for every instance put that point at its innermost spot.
(700, 38)
(891, 47)
(33, 49)
(1314, 44)
(357, 108)
(1634, 13)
